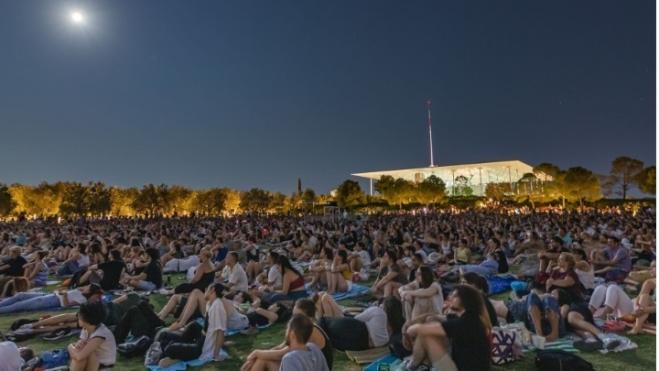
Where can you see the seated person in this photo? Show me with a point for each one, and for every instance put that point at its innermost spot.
(107, 274)
(302, 354)
(204, 275)
(25, 301)
(320, 266)
(645, 306)
(579, 319)
(612, 299)
(96, 349)
(423, 295)
(390, 277)
(12, 266)
(339, 275)
(271, 359)
(614, 261)
(195, 340)
(370, 329)
(150, 277)
(272, 280)
(234, 275)
(480, 283)
(565, 277)
(468, 332)
(538, 311)
(292, 284)
(36, 275)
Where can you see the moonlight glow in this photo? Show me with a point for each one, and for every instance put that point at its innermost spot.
(77, 17)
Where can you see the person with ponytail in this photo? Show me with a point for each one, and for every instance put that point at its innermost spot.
(467, 329)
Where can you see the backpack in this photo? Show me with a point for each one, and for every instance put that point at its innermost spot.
(558, 360)
(54, 358)
(506, 346)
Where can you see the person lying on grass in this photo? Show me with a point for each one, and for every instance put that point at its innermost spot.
(25, 301)
(260, 360)
(96, 349)
(194, 340)
(114, 311)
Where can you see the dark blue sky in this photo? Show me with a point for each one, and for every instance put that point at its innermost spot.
(247, 93)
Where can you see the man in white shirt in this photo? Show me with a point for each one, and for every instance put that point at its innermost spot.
(237, 278)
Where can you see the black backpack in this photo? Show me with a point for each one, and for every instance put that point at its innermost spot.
(558, 360)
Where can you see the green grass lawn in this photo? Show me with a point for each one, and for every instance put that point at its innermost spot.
(642, 358)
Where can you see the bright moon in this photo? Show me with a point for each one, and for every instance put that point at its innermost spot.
(77, 17)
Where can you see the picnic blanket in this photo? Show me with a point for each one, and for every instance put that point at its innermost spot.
(367, 356)
(181, 365)
(389, 359)
(564, 344)
(355, 290)
(500, 283)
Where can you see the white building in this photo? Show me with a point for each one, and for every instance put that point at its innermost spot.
(474, 176)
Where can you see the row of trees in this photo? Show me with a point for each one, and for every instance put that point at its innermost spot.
(97, 199)
(547, 183)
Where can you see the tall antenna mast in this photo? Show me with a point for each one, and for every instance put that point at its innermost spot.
(432, 158)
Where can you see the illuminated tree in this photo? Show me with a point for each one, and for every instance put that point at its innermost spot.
(74, 199)
(255, 200)
(349, 194)
(624, 173)
(647, 180)
(232, 200)
(7, 203)
(581, 185)
(121, 201)
(431, 190)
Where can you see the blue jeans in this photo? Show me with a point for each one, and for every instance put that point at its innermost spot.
(25, 301)
(519, 310)
(68, 268)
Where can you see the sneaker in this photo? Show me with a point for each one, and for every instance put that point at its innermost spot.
(153, 355)
(57, 334)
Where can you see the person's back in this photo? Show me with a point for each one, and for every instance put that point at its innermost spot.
(302, 360)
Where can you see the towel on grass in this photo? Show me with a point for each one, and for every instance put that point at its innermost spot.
(367, 356)
(564, 344)
(386, 360)
(182, 365)
(355, 290)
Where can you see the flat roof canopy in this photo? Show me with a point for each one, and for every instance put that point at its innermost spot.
(516, 168)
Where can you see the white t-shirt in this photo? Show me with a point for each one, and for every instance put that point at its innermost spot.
(366, 258)
(106, 353)
(274, 276)
(238, 278)
(74, 297)
(376, 322)
(10, 356)
(217, 321)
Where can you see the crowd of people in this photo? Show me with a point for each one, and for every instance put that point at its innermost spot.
(427, 274)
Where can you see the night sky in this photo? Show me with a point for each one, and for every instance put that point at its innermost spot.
(247, 93)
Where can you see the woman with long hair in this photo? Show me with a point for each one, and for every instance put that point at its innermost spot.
(468, 332)
(423, 295)
(292, 283)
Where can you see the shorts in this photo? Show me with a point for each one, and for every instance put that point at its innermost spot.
(445, 363)
(146, 286)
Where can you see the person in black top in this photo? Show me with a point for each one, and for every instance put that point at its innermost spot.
(468, 332)
(151, 276)
(106, 274)
(14, 265)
